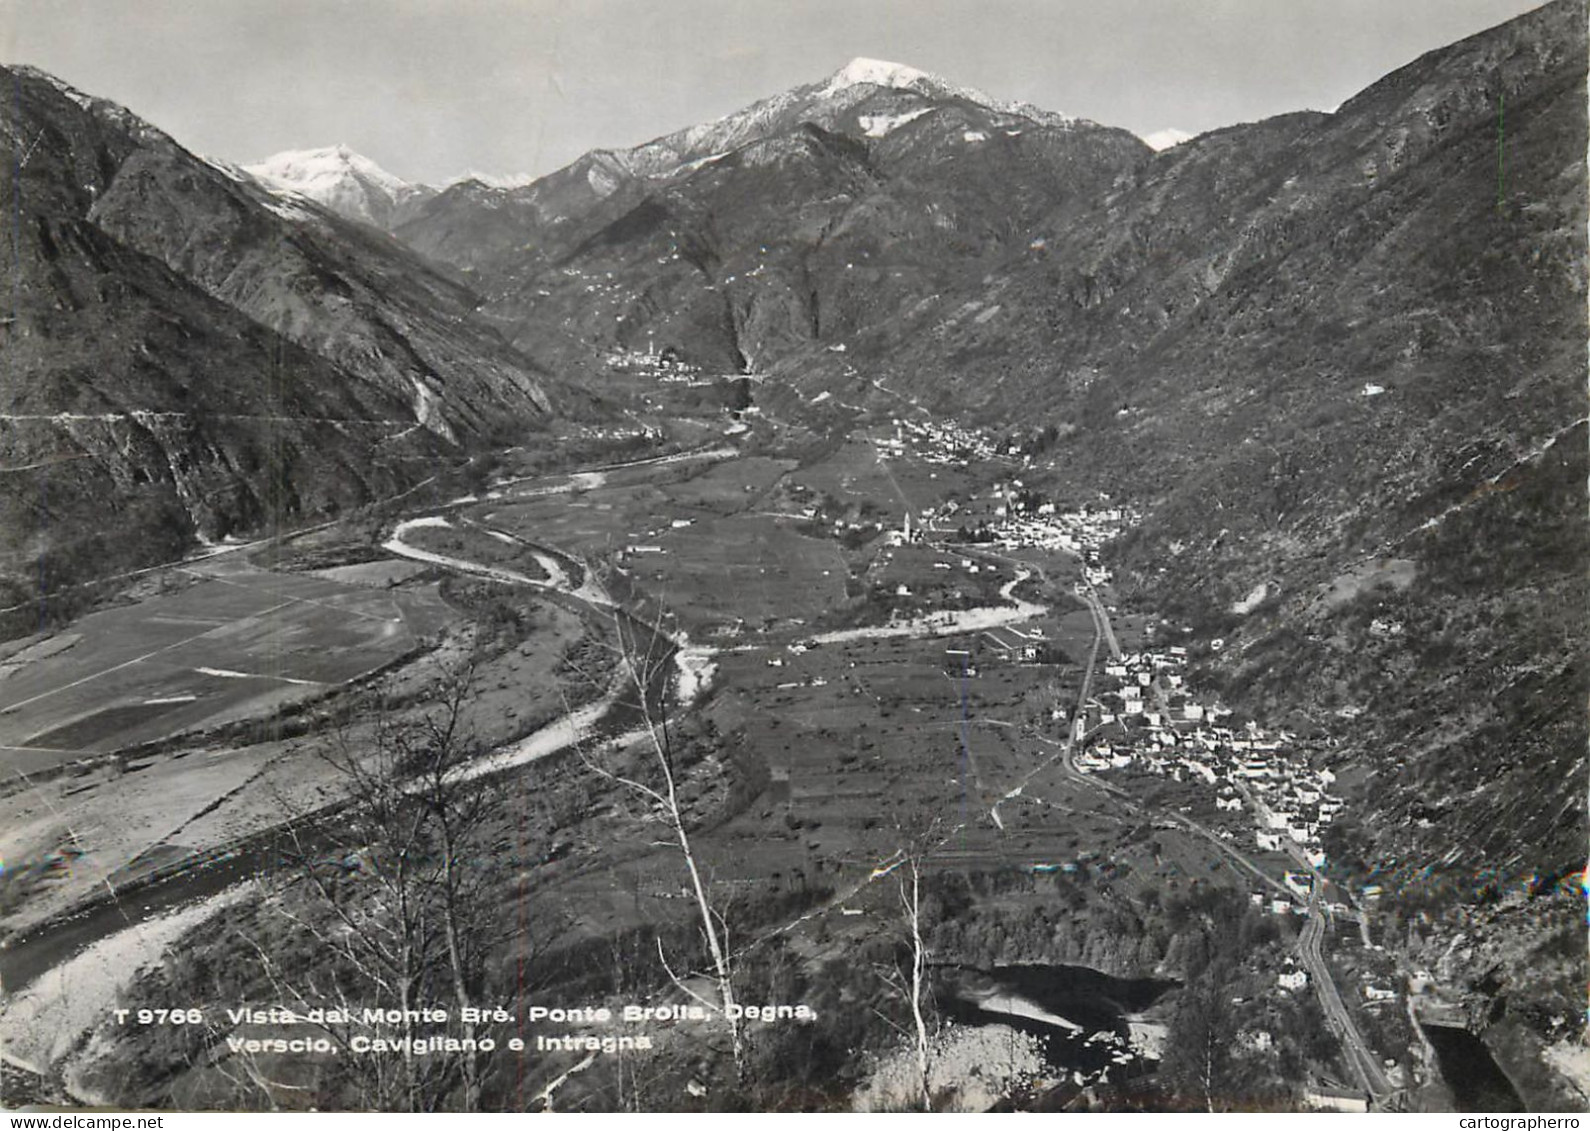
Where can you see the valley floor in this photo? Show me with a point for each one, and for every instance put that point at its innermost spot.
(858, 699)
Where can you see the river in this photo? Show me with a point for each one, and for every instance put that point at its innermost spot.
(1469, 1069)
(953, 622)
(187, 891)
(1083, 1020)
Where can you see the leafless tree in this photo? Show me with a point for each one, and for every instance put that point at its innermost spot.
(1197, 1059)
(394, 884)
(909, 979)
(911, 905)
(643, 655)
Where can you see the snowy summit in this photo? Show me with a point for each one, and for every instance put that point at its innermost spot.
(862, 71)
(878, 72)
(346, 182)
(1166, 138)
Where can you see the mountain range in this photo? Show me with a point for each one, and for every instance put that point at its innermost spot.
(190, 356)
(1337, 360)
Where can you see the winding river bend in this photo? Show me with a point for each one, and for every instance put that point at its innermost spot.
(130, 926)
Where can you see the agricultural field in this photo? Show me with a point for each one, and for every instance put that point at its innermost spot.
(384, 574)
(64, 837)
(239, 642)
(938, 578)
(748, 570)
(854, 474)
(865, 739)
(585, 523)
(730, 487)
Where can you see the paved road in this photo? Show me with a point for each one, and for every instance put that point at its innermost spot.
(1101, 617)
(1360, 1057)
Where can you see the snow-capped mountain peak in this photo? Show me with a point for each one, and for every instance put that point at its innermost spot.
(878, 72)
(863, 71)
(1167, 138)
(493, 180)
(304, 169)
(344, 181)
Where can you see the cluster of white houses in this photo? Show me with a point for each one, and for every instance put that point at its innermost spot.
(1151, 721)
(934, 441)
(622, 433)
(665, 365)
(1012, 516)
(1014, 519)
(1026, 523)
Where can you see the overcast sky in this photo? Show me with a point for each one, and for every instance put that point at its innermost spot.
(432, 88)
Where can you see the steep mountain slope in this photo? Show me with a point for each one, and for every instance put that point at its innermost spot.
(346, 182)
(1339, 360)
(223, 357)
(786, 224)
(471, 225)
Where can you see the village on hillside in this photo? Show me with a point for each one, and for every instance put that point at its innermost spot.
(1144, 718)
